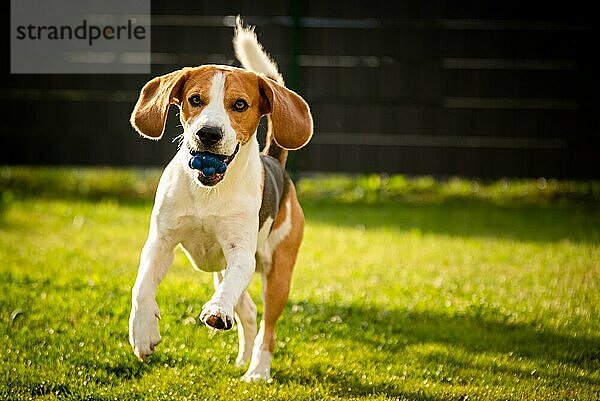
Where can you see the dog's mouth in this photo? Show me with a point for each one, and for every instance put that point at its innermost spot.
(211, 166)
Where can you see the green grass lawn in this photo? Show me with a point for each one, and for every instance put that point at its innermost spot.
(394, 297)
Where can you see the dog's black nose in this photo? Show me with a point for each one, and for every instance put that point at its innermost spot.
(210, 135)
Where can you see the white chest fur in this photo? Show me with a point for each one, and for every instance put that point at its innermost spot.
(206, 220)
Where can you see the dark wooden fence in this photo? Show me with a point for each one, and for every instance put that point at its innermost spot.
(470, 88)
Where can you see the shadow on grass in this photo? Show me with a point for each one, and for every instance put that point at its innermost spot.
(105, 373)
(384, 338)
(467, 218)
(344, 384)
(468, 342)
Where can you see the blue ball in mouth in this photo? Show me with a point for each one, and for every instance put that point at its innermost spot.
(211, 167)
(208, 163)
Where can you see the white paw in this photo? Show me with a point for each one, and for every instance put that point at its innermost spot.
(257, 377)
(216, 316)
(143, 328)
(260, 368)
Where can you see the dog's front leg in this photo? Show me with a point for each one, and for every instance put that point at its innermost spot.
(218, 312)
(239, 250)
(144, 335)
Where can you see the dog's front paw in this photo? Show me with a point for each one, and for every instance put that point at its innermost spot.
(216, 316)
(143, 328)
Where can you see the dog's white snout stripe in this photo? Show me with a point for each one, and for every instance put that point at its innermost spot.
(214, 117)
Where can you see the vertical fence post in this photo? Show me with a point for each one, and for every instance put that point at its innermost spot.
(295, 10)
(293, 80)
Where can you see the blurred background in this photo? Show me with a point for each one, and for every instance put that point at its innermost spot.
(467, 88)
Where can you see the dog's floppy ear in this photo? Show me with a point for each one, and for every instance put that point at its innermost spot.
(290, 115)
(149, 115)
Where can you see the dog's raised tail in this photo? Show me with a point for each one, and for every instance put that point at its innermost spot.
(251, 54)
(253, 57)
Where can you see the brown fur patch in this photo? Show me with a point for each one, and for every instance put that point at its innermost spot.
(149, 115)
(279, 276)
(242, 85)
(197, 82)
(292, 123)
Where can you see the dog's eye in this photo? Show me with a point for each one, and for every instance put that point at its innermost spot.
(195, 100)
(240, 105)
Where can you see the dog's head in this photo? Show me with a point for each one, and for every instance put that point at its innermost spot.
(220, 109)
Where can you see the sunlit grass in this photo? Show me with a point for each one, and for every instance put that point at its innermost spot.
(391, 298)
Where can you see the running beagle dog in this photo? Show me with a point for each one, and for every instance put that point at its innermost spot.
(239, 215)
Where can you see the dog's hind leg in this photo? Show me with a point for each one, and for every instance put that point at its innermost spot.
(245, 316)
(276, 288)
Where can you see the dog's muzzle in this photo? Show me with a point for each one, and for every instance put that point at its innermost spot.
(211, 167)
